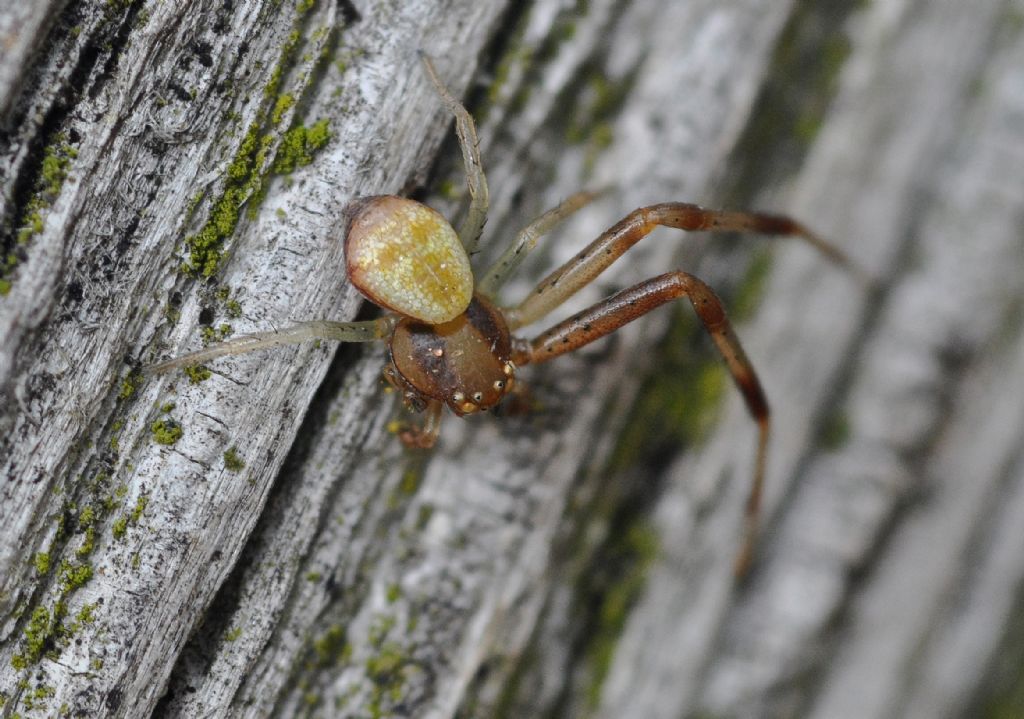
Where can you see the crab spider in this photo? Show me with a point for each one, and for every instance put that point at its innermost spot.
(450, 343)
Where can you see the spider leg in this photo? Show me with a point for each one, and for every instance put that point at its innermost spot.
(609, 315)
(319, 329)
(422, 436)
(526, 240)
(578, 272)
(473, 225)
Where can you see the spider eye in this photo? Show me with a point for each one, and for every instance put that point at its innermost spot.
(478, 397)
(499, 385)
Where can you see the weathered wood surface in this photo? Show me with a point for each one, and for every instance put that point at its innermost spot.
(574, 561)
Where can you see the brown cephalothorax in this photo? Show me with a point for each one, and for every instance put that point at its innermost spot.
(451, 344)
(465, 362)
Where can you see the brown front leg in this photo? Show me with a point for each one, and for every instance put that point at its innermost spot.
(590, 262)
(625, 306)
(422, 436)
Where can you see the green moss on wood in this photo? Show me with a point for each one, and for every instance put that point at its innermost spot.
(197, 374)
(255, 159)
(87, 614)
(53, 171)
(74, 576)
(140, 507)
(129, 385)
(37, 633)
(88, 543)
(232, 461)
(42, 562)
(119, 527)
(283, 104)
(166, 432)
(299, 145)
(331, 648)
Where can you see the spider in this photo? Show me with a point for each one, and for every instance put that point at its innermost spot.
(450, 343)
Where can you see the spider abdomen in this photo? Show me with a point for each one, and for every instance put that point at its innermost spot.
(405, 257)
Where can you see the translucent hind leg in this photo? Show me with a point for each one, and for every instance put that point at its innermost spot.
(316, 330)
(473, 225)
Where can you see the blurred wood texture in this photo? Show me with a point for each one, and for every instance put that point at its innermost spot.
(574, 561)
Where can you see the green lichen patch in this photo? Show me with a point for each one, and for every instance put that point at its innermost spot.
(233, 634)
(73, 576)
(197, 374)
(72, 573)
(284, 104)
(423, 515)
(86, 517)
(119, 527)
(129, 385)
(600, 101)
(130, 519)
(46, 633)
(38, 633)
(88, 543)
(331, 649)
(387, 670)
(210, 334)
(42, 562)
(299, 145)
(87, 614)
(166, 431)
(53, 171)
(233, 461)
(232, 307)
(258, 155)
(204, 247)
(34, 700)
(380, 629)
(383, 666)
(140, 507)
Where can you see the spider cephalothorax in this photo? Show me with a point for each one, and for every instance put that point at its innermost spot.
(465, 362)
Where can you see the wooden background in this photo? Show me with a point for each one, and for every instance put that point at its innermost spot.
(573, 562)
